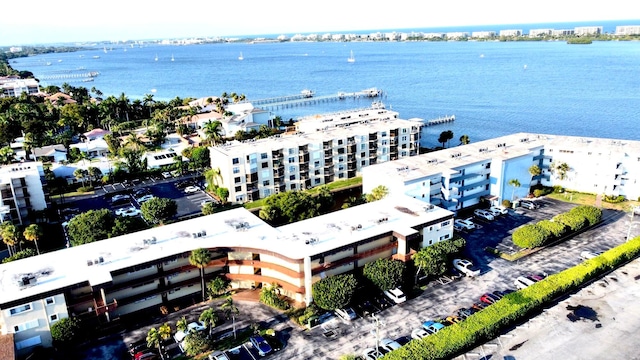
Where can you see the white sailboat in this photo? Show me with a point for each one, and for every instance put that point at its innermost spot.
(156, 57)
(240, 57)
(351, 59)
(172, 59)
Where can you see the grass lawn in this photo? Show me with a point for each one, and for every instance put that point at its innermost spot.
(333, 186)
(590, 199)
(73, 193)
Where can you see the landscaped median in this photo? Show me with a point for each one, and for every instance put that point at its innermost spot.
(514, 308)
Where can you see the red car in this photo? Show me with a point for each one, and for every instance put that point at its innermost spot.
(489, 298)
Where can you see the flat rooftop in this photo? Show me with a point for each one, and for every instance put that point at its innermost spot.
(446, 161)
(303, 138)
(233, 228)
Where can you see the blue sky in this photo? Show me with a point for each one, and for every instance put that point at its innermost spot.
(41, 21)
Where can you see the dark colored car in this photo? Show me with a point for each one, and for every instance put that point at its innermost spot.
(261, 345)
(464, 313)
(365, 309)
(137, 347)
(478, 306)
(382, 302)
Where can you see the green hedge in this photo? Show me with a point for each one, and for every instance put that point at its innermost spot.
(513, 308)
(576, 219)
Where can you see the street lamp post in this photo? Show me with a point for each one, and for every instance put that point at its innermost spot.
(375, 318)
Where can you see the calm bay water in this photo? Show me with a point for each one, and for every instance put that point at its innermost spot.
(493, 88)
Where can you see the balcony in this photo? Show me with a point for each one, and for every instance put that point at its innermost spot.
(328, 154)
(329, 172)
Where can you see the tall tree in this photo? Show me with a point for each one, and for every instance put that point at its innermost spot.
(156, 337)
(213, 131)
(230, 310)
(200, 258)
(516, 184)
(377, 193)
(209, 318)
(159, 210)
(464, 140)
(9, 234)
(33, 233)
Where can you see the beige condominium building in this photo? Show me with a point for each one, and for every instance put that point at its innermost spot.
(462, 176)
(107, 280)
(255, 169)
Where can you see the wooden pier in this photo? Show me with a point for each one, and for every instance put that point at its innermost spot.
(86, 75)
(303, 99)
(440, 120)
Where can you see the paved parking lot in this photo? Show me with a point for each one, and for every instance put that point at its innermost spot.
(337, 337)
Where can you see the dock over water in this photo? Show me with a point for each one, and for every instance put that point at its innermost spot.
(440, 120)
(309, 98)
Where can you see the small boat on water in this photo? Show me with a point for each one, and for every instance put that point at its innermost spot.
(351, 59)
(307, 93)
(96, 57)
(156, 59)
(172, 59)
(240, 57)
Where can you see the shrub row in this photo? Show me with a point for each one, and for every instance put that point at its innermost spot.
(545, 231)
(513, 308)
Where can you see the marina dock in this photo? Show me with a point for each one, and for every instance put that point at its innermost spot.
(308, 98)
(86, 75)
(440, 120)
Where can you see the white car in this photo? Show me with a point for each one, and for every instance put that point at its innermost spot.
(389, 344)
(498, 210)
(466, 267)
(207, 201)
(346, 314)
(119, 197)
(144, 198)
(528, 204)
(166, 174)
(396, 295)
(218, 355)
(127, 211)
(194, 326)
(586, 255)
(484, 214)
(191, 189)
(523, 281)
(465, 224)
(419, 333)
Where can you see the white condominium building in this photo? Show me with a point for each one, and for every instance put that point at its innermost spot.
(138, 273)
(587, 30)
(511, 32)
(628, 30)
(21, 191)
(462, 176)
(14, 87)
(255, 169)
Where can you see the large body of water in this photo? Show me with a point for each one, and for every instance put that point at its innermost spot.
(493, 88)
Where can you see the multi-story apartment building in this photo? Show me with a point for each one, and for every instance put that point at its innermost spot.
(628, 30)
(562, 32)
(462, 176)
(483, 34)
(587, 30)
(22, 190)
(540, 32)
(511, 32)
(108, 280)
(258, 168)
(14, 87)
(377, 111)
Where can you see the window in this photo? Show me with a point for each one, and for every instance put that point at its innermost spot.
(292, 186)
(317, 181)
(291, 151)
(292, 177)
(265, 165)
(235, 161)
(237, 179)
(444, 237)
(20, 309)
(25, 326)
(292, 160)
(263, 156)
(404, 138)
(363, 146)
(266, 173)
(445, 223)
(266, 183)
(316, 163)
(363, 163)
(362, 154)
(316, 172)
(340, 142)
(341, 175)
(236, 170)
(50, 300)
(292, 169)
(238, 188)
(53, 318)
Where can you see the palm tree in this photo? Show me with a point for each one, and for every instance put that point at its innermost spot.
(94, 173)
(181, 325)
(148, 101)
(464, 140)
(156, 337)
(534, 170)
(33, 233)
(377, 193)
(516, 184)
(9, 234)
(563, 168)
(80, 174)
(200, 258)
(213, 130)
(230, 310)
(209, 319)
